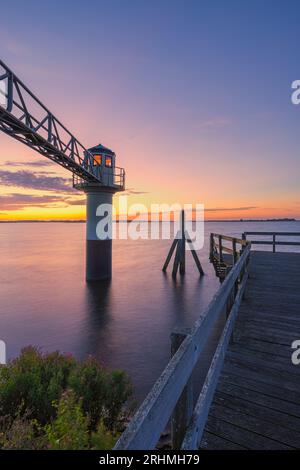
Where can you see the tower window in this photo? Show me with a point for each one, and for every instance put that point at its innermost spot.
(108, 161)
(97, 160)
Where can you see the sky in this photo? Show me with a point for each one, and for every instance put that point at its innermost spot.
(193, 96)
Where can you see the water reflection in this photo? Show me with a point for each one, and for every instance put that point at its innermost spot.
(97, 307)
(125, 323)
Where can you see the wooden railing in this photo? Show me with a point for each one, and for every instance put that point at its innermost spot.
(224, 252)
(219, 246)
(171, 396)
(274, 242)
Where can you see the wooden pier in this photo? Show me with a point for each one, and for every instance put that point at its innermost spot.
(250, 397)
(257, 401)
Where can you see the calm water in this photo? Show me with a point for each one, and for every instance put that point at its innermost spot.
(126, 323)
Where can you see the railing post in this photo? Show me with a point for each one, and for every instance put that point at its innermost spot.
(10, 88)
(182, 260)
(220, 249)
(234, 254)
(49, 128)
(183, 410)
(274, 242)
(72, 148)
(211, 247)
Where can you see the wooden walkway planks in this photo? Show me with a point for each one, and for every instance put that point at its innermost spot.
(257, 400)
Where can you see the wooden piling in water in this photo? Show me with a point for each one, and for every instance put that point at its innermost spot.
(182, 244)
(179, 243)
(168, 259)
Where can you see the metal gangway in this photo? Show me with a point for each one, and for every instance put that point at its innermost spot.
(25, 118)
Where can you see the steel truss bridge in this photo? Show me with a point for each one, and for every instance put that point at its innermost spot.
(25, 118)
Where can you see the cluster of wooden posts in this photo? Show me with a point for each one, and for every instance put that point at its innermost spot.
(181, 238)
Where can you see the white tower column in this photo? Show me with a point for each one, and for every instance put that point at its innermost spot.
(98, 252)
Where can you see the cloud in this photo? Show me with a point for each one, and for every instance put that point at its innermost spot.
(34, 163)
(215, 123)
(16, 201)
(31, 180)
(221, 209)
(40, 180)
(19, 201)
(75, 202)
(130, 191)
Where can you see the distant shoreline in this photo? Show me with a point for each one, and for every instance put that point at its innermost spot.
(118, 221)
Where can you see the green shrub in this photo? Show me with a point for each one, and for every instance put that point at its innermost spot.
(21, 433)
(103, 393)
(69, 430)
(53, 400)
(33, 381)
(103, 439)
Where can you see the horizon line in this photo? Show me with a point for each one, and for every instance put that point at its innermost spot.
(279, 219)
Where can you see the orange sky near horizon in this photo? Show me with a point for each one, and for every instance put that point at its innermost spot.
(147, 186)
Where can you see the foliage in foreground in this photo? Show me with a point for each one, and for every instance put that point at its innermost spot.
(51, 401)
